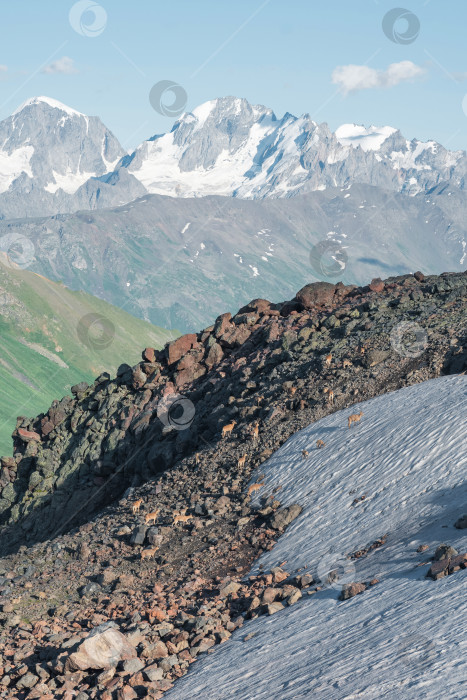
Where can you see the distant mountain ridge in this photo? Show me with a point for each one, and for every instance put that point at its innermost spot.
(54, 159)
(179, 262)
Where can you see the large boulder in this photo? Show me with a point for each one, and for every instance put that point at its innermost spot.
(316, 294)
(261, 306)
(178, 348)
(103, 648)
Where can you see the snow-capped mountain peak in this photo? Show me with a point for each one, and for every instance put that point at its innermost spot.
(227, 146)
(55, 159)
(50, 157)
(50, 102)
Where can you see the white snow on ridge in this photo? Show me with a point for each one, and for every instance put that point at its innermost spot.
(159, 168)
(403, 637)
(52, 103)
(369, 138)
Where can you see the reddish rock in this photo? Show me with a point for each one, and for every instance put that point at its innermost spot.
(272, 332)
(28, 436)
(270, 595)
(351, 589)
(419, 276)
(177, 348)
(222, 324)
(438, 569)
(149, 355)
(46, 426)
(261, 306)
(377, 285)
(235, 337)
(186, 376)
(155, 651)
(316, 294)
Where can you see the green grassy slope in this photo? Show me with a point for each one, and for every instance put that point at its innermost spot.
(52, 338)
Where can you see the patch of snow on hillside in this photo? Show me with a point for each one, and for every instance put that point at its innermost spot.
(403, 637)
(13, 164)
(69, 182)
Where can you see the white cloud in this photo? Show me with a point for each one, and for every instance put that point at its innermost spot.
(353, 78)
(3, 69)
(64, 65)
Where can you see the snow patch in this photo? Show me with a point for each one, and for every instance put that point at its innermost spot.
(404, 636)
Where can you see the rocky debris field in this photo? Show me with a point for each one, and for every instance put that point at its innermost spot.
(77, 557)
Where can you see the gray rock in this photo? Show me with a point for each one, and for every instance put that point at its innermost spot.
(89, 589)
(461, 523)
(283, 517)
(133, 665)
(139, 535)
(29, 680)
(444, 551)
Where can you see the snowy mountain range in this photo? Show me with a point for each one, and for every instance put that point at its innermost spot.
(53, 159)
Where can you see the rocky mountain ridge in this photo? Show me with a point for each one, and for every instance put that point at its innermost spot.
(156, 433)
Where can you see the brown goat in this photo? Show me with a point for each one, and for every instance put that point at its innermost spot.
(355, 417)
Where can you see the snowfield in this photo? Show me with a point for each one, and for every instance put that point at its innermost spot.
(404, 637)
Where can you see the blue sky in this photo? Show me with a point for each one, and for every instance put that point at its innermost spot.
(281, 54)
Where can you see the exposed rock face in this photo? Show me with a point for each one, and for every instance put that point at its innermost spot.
(120, 432)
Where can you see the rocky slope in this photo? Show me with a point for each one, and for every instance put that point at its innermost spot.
(71, 544)
(180, 262)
